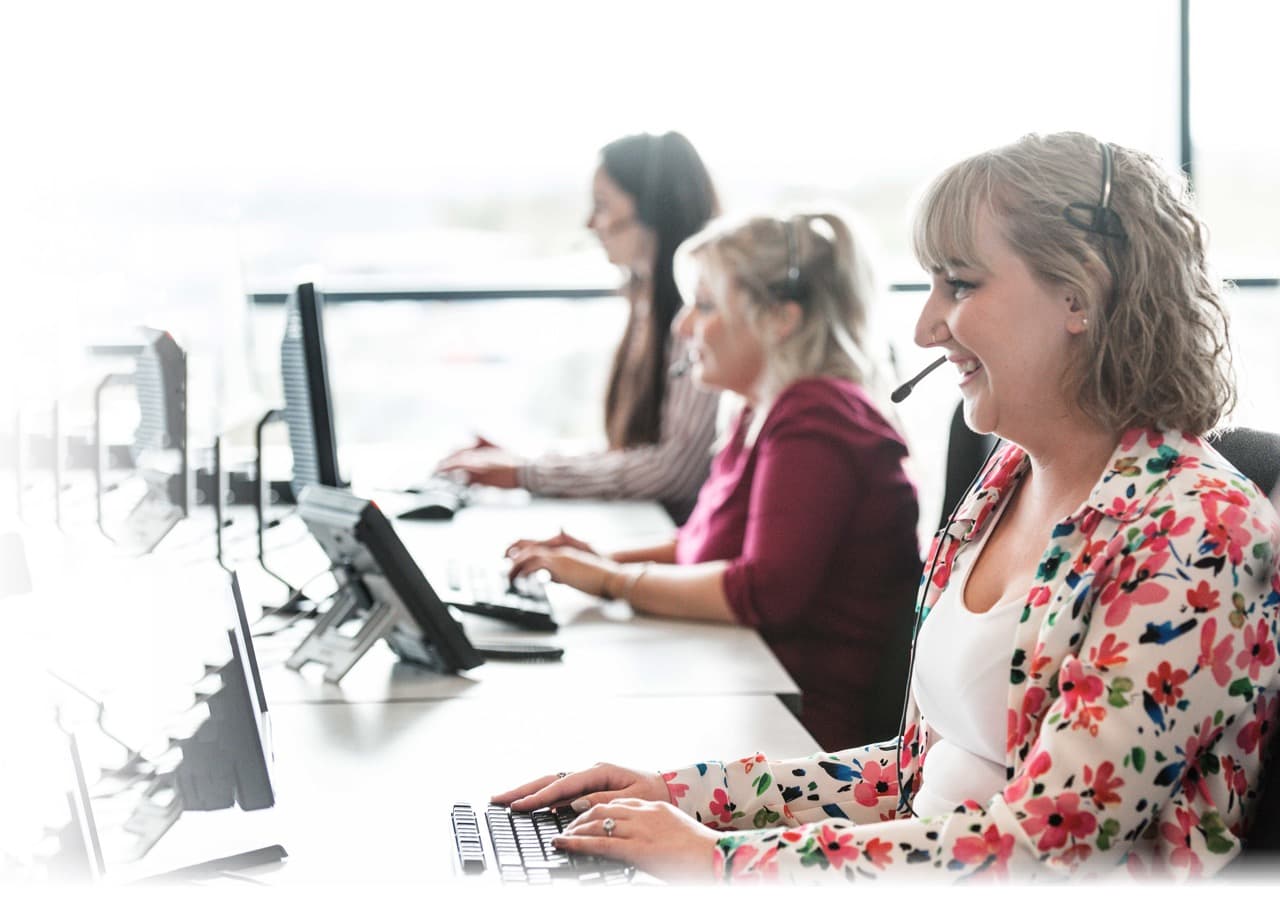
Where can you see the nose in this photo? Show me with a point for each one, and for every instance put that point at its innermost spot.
(683, 324)
(931, 326)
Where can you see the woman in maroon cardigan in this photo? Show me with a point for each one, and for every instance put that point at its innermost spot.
(806, 527)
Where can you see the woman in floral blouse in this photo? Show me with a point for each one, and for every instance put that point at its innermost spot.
(1128, 715)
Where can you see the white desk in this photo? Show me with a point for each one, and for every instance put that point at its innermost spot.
(365, 790)
(500, 517)
(609, 650)
(364, 785)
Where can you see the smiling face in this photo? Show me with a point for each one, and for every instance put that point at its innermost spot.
(626, 241)
(725, 347)
(1008, 334)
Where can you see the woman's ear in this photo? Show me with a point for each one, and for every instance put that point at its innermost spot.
(786, 319)
(1077, 314)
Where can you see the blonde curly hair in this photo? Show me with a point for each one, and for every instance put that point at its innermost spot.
(1157, 350)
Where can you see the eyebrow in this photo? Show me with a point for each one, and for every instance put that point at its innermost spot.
(954, 265)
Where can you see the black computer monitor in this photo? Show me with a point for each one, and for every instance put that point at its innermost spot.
(228, 758)
(160, 379)
(380, 585)
(308, 409)
(161, 809)
(160, 448)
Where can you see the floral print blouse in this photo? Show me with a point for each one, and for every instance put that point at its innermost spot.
(1143, 689)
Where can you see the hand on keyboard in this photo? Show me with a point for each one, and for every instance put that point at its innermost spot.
(560, 539)
(486, 589)
(587, 572)
(583, 789)
(655, 837)
(485, 464)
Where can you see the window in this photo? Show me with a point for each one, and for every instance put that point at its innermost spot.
(175, 162)
(1236, 133)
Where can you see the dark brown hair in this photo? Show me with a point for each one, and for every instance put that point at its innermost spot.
(674, 197)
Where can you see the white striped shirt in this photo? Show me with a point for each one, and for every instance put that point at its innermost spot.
(671, 471)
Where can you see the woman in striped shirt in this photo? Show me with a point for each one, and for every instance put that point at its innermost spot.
(649, 194)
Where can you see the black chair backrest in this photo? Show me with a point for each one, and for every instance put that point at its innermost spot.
(966, 452)
(1255, 453)
(1264, 830)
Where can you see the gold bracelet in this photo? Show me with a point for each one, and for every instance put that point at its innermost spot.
(634, 579)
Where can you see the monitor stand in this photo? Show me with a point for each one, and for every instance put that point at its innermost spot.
(215, 867)
(333, 643)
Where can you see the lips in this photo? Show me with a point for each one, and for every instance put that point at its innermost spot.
(967, 367)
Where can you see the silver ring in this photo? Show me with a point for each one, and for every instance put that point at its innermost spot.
(609, 825)
(563, 774)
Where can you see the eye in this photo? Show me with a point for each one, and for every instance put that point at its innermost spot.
(960, 288)
(703, 303)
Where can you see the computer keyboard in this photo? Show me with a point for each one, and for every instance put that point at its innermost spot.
(147, 524)
(442, 484)
(521, 851)
(487, 589)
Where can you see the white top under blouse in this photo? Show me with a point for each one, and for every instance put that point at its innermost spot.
(961, 684)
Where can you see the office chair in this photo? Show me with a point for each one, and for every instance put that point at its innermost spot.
(1263, 839)
(966, 451)
(1255, 453)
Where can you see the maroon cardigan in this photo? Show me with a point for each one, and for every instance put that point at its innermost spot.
(817, 520)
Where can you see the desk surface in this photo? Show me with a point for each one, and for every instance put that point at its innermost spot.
(364, 787)
(608, 652)
(365, 790)
(608, 649)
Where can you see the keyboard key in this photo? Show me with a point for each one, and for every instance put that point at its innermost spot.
(466, 830)
(523, 851)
